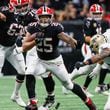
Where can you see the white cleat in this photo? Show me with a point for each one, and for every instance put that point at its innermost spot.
(98, 90)
(17, 98)
(107, 105)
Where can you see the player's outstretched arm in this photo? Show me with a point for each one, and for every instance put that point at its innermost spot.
(105, 53)
(96, 58)
(63, 36)
(29, 41)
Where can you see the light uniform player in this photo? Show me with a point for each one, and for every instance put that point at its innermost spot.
(45, 35)
(100, 43)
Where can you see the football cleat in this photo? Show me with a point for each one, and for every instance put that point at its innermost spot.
(17, 98)
(49, 101)
(90, 104)
(32, 105)
(101, 89)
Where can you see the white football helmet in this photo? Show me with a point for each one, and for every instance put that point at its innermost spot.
(96, 41)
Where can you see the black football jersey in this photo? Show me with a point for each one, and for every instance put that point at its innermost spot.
(12, 28)
(91, 27)
(48, 39)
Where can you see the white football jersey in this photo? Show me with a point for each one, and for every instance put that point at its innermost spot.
(106, 45)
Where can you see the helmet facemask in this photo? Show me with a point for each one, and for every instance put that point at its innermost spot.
(45, 20)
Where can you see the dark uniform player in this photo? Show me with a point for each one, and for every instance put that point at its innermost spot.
(45, 35)
(23, 18)
(9, 31)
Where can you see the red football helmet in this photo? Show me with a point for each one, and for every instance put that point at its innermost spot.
(96, 11)
(45, 15)
(20, 6)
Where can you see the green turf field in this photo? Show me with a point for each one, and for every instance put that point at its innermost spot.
(67, 102)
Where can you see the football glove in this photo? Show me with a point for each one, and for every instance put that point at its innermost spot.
(95, 71)
(79, 64)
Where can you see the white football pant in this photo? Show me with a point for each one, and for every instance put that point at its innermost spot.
(16, 59)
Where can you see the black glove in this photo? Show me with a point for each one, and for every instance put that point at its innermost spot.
(79, 64)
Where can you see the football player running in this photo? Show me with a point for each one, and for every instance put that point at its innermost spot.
(101, 44)
(45, 35)
(25, 15)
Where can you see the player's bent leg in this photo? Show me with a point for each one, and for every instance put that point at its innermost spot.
(77, 73)
(16, 92)
(76, 89)
(82, 71)
(79, 92)
(62, 75)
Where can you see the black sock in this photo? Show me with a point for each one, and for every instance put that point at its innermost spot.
(79, 92)
(87, 82)
(102, 76)
(30, 85)
(49, 84)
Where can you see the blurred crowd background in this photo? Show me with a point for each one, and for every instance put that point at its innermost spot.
(73, 9)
